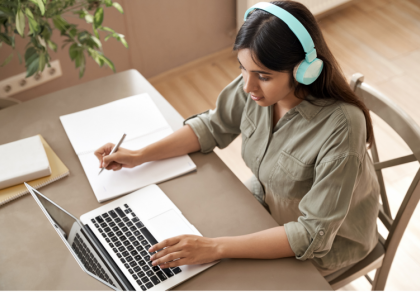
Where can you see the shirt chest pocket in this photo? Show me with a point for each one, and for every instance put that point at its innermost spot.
(291, 179)
(247, 130)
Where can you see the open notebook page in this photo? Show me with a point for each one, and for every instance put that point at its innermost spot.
(141, 120)
(92, 128)
(111, 184)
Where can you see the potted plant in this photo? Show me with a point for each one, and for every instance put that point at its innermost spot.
(35, 21)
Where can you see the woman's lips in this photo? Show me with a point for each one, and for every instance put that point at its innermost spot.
(255, 98)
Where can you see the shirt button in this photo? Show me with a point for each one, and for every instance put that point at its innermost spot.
(321, 232)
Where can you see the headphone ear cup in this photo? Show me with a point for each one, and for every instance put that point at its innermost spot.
(295, 69)
(306, 73)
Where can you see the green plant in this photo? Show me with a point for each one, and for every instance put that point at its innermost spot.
(44, 16)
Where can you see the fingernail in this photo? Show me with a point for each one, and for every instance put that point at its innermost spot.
(153, 257)
(154, 263)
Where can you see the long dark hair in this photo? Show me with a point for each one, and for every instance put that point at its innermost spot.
(276, 47)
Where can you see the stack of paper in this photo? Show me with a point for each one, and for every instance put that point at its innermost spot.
(141, 120)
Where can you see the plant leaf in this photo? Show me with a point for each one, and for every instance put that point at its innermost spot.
(52, 45)
(123, 41)
(41, 6)
(20, 22)
(96, 56)
(82, 68)
(89, 18)
(118, 7)
(99, 17)
(32, 68)
(20, 57)
(80, 58)
(29, 52)
(5, 38)
(33, 24)
(107, 29)
(82, 36)
(60, 23)
(108, 3)
(108, 62)
(73, 51)
(30, 55)
(6, 11)
(97, 41)
(108, 37)
(42, 62)
(82, 13)
(7, 60)
(95, 32)
(73, 31)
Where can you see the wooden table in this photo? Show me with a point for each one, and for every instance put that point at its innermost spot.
(33, 257)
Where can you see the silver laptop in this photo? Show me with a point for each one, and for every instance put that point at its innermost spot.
(111, 242)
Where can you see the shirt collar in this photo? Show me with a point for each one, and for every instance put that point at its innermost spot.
(309, 110)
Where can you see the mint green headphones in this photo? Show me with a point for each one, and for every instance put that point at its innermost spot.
(309, 69)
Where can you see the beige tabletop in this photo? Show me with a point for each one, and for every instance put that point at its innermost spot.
(33, 257)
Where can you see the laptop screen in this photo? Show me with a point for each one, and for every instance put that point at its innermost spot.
(61, 218)
(73, 236)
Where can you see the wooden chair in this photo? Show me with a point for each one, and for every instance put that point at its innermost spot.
(6, 102)
(383, 254)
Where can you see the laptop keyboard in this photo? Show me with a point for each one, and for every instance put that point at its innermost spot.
(89, 260)
(131, 240)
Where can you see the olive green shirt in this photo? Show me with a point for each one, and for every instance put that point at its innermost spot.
(314, 173)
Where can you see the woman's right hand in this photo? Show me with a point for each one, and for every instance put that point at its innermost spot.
(123, 158)
(181, 142)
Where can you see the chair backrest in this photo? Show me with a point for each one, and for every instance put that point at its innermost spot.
(6, 102)
(409, 131)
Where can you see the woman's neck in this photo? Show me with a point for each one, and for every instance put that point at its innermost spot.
(284, 105)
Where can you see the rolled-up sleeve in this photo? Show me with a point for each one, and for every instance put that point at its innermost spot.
(324, 208)
(219, 127)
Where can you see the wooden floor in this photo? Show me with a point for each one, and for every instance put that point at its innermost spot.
(378, 38)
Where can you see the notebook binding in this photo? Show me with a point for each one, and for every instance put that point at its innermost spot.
(35, 187)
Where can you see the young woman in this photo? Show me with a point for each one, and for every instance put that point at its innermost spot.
(305, 144)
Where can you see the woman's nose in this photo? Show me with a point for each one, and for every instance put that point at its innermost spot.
(249, 85)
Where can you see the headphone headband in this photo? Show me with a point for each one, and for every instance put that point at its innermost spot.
(298, 29)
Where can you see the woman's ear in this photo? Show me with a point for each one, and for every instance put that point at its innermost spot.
(292, 81)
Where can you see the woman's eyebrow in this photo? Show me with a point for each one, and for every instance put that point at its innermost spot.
(255, 71)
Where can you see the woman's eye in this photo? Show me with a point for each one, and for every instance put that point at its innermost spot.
(263, 78)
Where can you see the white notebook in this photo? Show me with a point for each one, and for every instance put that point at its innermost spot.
(23, 160)
(141, 120)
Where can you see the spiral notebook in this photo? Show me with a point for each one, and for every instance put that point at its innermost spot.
(58, 171)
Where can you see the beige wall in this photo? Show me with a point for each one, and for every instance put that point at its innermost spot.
(162, 34)
(167, 33)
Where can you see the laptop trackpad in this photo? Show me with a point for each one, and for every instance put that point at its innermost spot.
(169, 224)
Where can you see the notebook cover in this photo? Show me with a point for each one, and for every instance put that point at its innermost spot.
(23, 160)
(58, 171)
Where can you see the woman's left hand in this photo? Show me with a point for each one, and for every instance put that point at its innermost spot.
(185, 250)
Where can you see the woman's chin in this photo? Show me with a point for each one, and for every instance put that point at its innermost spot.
(263, 103)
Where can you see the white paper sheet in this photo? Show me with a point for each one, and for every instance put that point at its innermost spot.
(140, 119)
